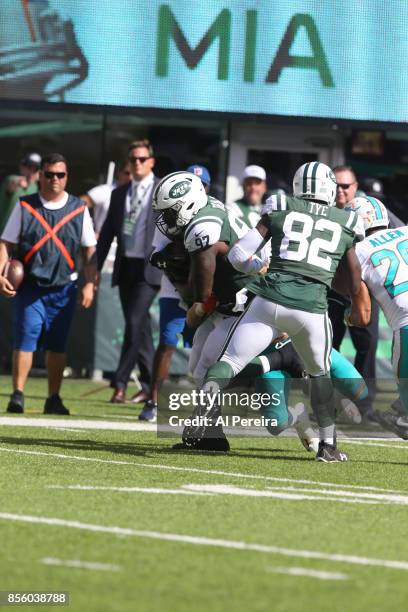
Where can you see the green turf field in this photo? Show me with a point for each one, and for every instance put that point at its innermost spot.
(122, 522)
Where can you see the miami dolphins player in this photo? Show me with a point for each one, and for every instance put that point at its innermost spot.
(383, 256)
(285, 365)
(310, 237)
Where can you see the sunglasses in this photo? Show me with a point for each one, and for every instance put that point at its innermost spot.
(142, 160)
(50, 175)
(344, 186)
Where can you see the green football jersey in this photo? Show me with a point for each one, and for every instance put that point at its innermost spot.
(248, 214)
(214, 223)
(308, 240)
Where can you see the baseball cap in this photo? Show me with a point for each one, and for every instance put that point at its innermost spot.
(254, 172)
(31, 159)
(201, 172)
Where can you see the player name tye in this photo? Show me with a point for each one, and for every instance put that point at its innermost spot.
(225, 421)
(318, 209)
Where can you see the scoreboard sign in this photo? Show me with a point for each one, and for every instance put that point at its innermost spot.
(287, 57)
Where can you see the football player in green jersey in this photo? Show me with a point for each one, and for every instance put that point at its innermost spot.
(310, 237)
(208, 230)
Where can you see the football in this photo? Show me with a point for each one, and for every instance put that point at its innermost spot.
(14, 272)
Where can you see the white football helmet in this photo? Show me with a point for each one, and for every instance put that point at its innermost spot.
(177, 198)
(371, 210)
(315, 181)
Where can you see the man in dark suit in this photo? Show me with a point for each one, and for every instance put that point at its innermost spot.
(131, 219)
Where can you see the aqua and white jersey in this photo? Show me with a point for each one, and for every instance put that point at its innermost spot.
(384, 268)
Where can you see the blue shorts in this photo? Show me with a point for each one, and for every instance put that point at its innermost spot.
(43, 313)
(172, 322)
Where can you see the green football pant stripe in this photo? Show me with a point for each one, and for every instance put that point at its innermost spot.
(328, 339)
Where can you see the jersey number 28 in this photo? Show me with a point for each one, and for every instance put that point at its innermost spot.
(394, 261)
(309, 250)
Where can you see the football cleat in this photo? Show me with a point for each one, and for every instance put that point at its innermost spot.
(350, 411)
(204, 423)
(392, 422)
(311, 444)
(397, 407)
(329, 453)
(304, 430)
(205, 444)
(402, 421)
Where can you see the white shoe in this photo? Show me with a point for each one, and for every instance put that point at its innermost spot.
(303, 426)
(350, 410)
(402, 421)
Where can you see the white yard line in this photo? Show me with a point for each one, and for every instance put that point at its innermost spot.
(66, 429)
(76, 563)
(290, 493)
(195, 489)
(397, 499)
(158, 466)
(382, 444)
(204, 541)
(278, 494)
(121, 416)
(129, 489)
(75, 424)
(308, 573)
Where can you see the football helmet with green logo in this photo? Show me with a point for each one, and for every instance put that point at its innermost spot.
(177, 198)
(371, 210)
(315, 181)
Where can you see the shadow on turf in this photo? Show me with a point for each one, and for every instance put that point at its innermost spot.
(138, 449)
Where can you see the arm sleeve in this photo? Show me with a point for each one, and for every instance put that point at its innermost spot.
(88, 238)
(11, 232)
(242, 254)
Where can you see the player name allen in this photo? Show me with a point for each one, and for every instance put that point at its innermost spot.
(225, 421)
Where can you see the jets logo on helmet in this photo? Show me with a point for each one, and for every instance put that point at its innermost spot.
(177, 198)
(315, 181)
(371, 210)
(180, 189)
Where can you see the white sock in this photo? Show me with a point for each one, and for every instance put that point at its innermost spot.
(326, 434)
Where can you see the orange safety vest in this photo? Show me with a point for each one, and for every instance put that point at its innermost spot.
(51, 233)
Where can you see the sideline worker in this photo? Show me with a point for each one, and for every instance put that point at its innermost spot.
(48, 229)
